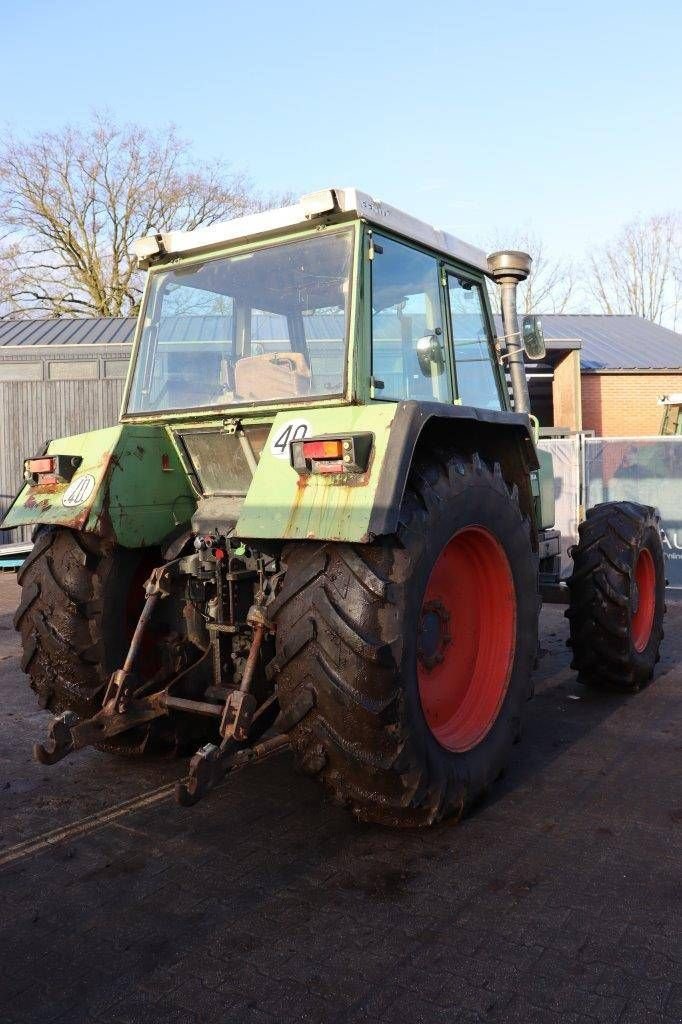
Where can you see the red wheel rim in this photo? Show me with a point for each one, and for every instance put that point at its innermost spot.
(467, 638)
(645, 603)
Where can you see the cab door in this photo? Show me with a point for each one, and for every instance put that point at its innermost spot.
(410, 353)
(478, 381)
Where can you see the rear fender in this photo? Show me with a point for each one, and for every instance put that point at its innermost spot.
(280, 504)
(502, 437)
(130, 487)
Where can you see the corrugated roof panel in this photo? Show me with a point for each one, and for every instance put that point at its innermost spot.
(619, 342)
(68, 331)
(615, 342)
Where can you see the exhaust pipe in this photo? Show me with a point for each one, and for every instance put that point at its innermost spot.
(508, 269)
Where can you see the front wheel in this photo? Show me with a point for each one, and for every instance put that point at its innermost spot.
(404, 666)
(617, 596)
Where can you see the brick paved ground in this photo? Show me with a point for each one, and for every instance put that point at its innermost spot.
(558, 901)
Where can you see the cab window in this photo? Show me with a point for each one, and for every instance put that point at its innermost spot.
(475, 361)
(408, 345)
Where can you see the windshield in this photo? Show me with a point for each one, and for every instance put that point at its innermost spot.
(254, 327)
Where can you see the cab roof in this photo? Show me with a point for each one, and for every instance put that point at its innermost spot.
(327, 204)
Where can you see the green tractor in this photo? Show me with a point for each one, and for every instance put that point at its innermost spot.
(322, 522)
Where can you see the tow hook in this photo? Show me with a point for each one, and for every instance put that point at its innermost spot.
(59, 740)
(212, 764)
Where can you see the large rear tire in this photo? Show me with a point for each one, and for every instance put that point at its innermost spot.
(403, 667)
(617, 600)
(80, 599)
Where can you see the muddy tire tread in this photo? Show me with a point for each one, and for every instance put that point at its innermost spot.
(601, 589)
(59, 619)
(339, 639)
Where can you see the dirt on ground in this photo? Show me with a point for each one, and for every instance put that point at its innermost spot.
(558, 900)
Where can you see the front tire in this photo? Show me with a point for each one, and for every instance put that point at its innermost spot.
(617, 597)
(404, 666)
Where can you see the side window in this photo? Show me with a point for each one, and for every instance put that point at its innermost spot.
(408, 349)
(475, 368)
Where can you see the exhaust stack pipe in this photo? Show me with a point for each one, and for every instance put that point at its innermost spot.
(508, 269)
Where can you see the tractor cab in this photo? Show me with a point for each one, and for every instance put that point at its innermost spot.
(343, 300)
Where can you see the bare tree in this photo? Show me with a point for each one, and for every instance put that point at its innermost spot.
(8, 261)
(76, 199)
(551, 286)
(676, 318)
(639, 271)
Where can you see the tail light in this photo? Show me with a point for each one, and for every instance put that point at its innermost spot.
(323, 449)
(51, 469)
(44, 465)
(348, 453)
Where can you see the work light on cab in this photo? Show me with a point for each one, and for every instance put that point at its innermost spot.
(328, 454)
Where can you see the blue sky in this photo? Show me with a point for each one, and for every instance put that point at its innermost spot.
(562, 118)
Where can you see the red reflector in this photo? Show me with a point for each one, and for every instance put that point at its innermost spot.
(41, 465)
(322, 449)
(329, 467)
(165, 463)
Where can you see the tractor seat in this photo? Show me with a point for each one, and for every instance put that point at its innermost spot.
(273, 375)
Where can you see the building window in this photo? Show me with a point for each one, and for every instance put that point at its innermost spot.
(72, 370)
(21, 371)
(116, 369)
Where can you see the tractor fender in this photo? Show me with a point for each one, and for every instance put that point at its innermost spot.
(498, 436)
(282, 505)
(129, 487)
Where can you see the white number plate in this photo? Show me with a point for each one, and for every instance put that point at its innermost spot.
(292, 430)
(78, 491)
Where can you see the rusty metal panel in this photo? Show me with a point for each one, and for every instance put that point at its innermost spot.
(281, 503)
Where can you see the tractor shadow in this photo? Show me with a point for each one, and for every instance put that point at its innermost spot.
(280, 803)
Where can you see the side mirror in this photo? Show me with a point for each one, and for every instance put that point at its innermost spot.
(533, 337)
(430, 353)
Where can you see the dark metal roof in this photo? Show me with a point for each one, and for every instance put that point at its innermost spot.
(606, 342)
(103, 330)
(618, 342)
(613, 342)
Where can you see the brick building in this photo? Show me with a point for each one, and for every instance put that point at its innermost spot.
(605, 373)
